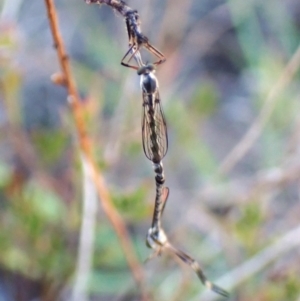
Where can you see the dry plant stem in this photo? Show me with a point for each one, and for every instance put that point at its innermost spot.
(85, 148)
(256, 128)
(258, 262)
(119, 6)
(87, 235)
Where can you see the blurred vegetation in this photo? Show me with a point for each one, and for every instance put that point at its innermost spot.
(223, 58)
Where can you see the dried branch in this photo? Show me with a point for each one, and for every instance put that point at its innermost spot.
(86, 150)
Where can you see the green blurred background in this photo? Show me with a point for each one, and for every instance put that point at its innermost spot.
(223, 59)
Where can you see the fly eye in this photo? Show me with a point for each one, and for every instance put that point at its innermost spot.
(141, 71)
(151, 67)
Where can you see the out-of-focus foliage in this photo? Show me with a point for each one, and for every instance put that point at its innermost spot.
(223, 60)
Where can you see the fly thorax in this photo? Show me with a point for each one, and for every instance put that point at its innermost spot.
(149, 83)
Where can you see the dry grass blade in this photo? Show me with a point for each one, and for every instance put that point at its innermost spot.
(247, 269)
(255, 130)
(87, 236)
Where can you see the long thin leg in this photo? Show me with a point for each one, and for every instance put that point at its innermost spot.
(197, 269)
(156, 53)
(133, 50)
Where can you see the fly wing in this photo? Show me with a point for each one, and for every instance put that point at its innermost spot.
(154, 128)
(161, 126)
(146, 129)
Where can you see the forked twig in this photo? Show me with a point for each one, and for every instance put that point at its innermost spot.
(243, 146)
(86, 149)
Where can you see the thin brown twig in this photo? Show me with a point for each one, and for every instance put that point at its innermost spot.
(243, 146)
(86, 149)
